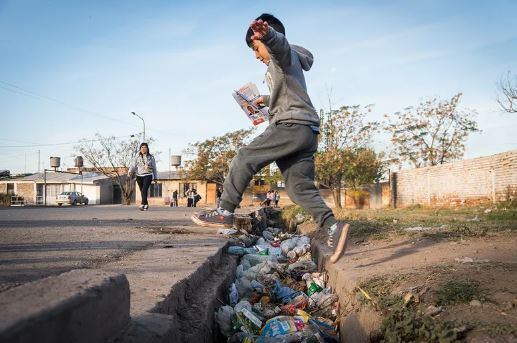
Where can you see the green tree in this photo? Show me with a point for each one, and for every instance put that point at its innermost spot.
(364, 166)
(432, 133)
(213, 156)
(345, 137)
(271, 175)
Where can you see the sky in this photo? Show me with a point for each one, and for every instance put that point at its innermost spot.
(71, 69)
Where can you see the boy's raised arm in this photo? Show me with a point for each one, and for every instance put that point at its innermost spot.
(276, 42)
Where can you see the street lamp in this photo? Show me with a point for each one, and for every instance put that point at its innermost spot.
(133, 113)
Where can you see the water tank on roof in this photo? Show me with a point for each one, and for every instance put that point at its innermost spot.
(175, 160)
(78, 161)
(55, 162)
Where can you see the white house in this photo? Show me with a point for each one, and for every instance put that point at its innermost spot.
(98, 188)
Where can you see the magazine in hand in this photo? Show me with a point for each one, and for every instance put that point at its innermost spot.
(245, 97)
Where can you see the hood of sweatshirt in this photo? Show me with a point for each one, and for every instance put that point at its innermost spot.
(305, 56)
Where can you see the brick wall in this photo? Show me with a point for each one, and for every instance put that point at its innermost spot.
(484, 179)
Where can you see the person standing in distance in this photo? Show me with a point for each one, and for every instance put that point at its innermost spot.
(144, 166)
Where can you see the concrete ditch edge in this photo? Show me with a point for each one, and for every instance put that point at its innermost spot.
(187, 313)
(358, 324)
(78, 306)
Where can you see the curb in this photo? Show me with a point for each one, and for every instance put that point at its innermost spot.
(78, 306)
(358, 324)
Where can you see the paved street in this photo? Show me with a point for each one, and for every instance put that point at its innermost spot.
(37, 242)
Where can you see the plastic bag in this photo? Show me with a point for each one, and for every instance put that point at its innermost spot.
(282, 325)
(268, 235)
(223, 318)
(233, 295)
(302, 266)
(324, 330)
(243, 287)
(257, 286)
(240, 251)
(288, 245)
(254, 259)
(283, 293)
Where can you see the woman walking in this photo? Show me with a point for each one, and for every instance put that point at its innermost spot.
(145, 167)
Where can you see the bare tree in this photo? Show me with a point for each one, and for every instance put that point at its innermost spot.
(112, 158)
(432, 133)
(507, 88)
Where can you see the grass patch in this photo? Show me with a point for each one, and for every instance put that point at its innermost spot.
(498, 329)
(453, 292)
(404, 322)
(408, 324)
(379, 289)
(289, 212)
(447, 223)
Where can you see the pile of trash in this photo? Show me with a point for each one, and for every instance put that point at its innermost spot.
(278, 295)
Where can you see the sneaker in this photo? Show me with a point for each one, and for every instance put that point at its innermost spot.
(141, 207)
(337, 238)
(213, 218)
(146, 207)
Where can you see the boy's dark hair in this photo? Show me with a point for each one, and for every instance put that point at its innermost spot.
(271, 20)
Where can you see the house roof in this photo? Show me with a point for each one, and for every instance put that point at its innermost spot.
(88, 177)
(172, 175)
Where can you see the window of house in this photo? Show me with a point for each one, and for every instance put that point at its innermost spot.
(155, 191)
(10, 188)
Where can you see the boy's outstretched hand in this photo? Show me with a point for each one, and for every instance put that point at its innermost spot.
(260, 29)
(259, 101)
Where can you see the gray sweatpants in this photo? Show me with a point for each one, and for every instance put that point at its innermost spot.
(292, 147)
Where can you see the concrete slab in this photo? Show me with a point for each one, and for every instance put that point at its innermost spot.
(77, 306)
(40, 242)
(153, 272)
(175, 286)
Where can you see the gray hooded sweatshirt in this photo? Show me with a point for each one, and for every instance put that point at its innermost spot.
(289, 101)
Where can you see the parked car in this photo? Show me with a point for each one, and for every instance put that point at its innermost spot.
(71, 198)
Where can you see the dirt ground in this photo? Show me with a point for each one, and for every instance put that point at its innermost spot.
(479, 298)
(433, 275)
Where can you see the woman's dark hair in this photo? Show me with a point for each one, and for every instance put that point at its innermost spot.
(271, 20)
(140, 149)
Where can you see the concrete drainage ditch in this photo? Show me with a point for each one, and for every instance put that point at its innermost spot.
(94, 305)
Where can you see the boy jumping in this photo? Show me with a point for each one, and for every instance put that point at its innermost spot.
(290, 140)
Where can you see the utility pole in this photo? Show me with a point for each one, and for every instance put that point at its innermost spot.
(169, 162)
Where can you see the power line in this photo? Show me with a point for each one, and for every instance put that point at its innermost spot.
(23, 91)
(16, 140)
(56, 144)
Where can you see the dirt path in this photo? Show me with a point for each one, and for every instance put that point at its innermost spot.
(472, 283)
